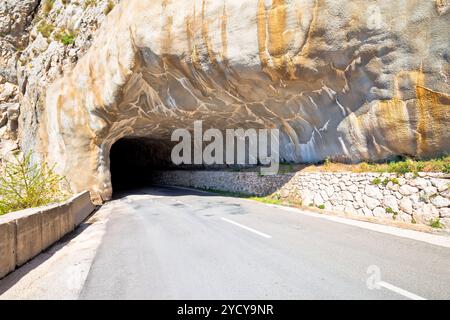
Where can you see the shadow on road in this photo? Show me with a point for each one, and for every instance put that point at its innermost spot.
(158, 190)
(14, 277)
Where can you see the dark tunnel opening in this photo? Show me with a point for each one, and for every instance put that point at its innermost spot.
(133, 160)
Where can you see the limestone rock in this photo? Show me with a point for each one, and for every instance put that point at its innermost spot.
(318, 200)
(440, 201)
(379, 212)
(371, 203)
(374, 192)
(408, 190)
(406, 205)
(391, 202)
(444, 212)
(441, 184)
(334, 76)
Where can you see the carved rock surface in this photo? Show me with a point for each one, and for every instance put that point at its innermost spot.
(351, 80)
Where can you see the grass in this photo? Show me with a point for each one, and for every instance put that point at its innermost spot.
(90, 3)
(47, 6)
(267, 200)
(66, 37)
(109, 7)
(45, 29)
(389, 210)
(399, 166)
(436, 223)
(407, 165)
(26, 185)
(376, 181)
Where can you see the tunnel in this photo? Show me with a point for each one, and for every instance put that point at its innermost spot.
(134, 159)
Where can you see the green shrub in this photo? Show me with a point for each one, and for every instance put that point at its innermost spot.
(322, 206)
(109, 7)
(395, 181)
(26, 185)
(389, 210)
(66, 37)
(90, 3)
(47, 6)
(45, 28)
(376, 181)
(446, 168)
(436, 223)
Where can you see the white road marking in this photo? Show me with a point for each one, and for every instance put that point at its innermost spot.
(438, 240)
(400, 291)
(247, 228)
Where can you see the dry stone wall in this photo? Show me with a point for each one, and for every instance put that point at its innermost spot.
(424, 198)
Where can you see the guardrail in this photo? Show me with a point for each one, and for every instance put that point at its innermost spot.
(24, 234)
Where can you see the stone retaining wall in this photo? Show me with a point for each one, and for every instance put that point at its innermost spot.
(417, 199)
(24, 234)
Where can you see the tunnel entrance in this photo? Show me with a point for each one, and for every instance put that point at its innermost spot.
(132, 161)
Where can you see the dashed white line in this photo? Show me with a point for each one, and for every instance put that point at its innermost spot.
(400, 291)
(247, 228)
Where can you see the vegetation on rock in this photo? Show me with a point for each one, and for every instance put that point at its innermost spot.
(24, 184)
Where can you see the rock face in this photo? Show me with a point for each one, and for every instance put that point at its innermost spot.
(34, 52)
(350, 80)
(15, 18)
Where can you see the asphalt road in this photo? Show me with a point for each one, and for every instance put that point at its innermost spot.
(170, 243)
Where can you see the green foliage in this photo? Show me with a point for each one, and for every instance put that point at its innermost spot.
(395, 181)
(47, 6)
(436, 223)
(90, 3)
(45, 28)
(285, 168)
(376, 181)
(26, 185)
(66, 37)
(406, 166)
(322, 206)
(109, 7)
(389, 210)
(267, 200)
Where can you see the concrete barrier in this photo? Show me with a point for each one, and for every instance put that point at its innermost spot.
(24, 234)
(7, 247)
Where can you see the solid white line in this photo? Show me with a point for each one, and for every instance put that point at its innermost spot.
(400, 291)
(438, 240)
(247, 228)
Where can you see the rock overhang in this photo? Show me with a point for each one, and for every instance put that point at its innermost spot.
(349, 80)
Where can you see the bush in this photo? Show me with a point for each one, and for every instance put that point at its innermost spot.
(45, 28)
(436, 223)
(109, 7)
(47, 6)
(376, 181)
(26, 185)
(66, 38)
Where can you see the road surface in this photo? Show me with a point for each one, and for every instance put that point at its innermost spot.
(171, 243)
